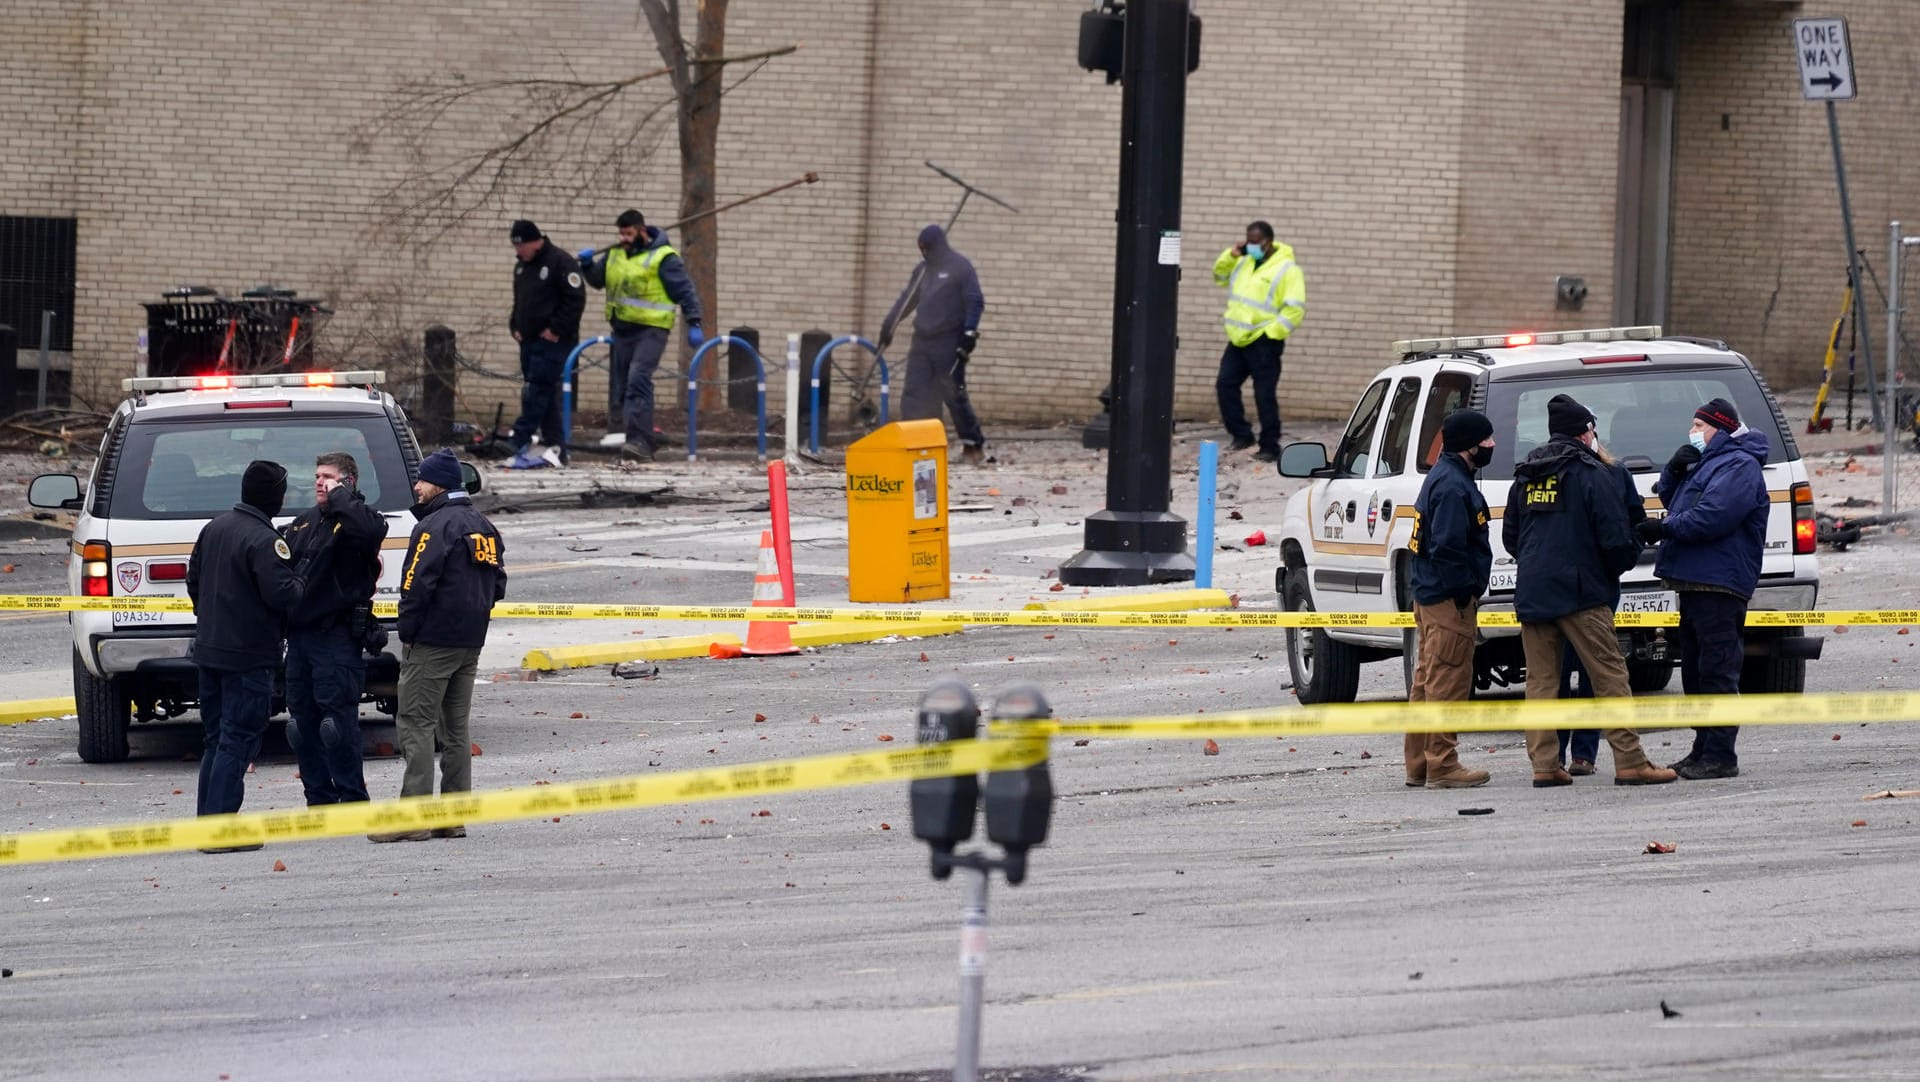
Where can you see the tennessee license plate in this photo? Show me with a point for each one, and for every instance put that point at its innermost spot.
(1662, 601)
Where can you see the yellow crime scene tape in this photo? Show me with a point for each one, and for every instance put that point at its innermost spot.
(570, 798)
(1368, 719)
(1027, 747)
(581, 610)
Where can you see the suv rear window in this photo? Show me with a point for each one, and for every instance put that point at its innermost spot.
(1641, 413)
(191, 468)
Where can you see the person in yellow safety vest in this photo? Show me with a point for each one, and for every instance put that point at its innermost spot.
(645, 280)
(1266, 301)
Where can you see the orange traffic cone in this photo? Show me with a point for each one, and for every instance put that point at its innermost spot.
(766, 637)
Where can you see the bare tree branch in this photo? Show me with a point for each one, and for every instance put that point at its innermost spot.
(568, 136)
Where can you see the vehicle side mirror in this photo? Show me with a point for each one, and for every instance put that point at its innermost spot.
(61, 490)
(1302, 459)
(470, 478)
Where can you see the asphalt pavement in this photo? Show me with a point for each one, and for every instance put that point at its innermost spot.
(1286, 908)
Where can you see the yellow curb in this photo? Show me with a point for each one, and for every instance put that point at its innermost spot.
(833, 634)
(553, 658)
(1164, 601)
(19, 710)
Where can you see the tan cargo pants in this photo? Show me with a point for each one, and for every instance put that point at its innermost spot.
(1443, 673)
(1592, 635)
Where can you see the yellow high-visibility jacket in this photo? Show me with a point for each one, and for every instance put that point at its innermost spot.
(1264, 301)
(635, 293)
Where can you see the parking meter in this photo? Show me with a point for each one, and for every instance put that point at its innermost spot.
(1019, 802)
(944, 808)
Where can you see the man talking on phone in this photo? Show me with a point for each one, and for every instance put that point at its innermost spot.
(336, 545)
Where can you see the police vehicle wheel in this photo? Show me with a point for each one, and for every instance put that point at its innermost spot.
(1324, 670)
(1645, 676)
(1775, 675)
(104, 707)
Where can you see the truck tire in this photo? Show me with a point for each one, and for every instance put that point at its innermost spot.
(105, 709)
(1768, 675)
(1649, 676)
(1324, 669)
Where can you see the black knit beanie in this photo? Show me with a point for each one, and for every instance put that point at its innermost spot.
(1566, 417)
(1464, 430)
(1720, 414)
(264, 486)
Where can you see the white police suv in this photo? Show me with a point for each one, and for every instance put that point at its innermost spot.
(1344, 538)
(170, 461)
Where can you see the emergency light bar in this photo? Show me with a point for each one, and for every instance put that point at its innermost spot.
(1541, 338)
(275, 379)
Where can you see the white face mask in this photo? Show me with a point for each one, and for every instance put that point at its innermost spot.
(1698, 439)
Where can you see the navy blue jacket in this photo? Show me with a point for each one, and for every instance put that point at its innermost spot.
(456, 569)
(242, 581)
(1717, 517)
(1452, 556)
(946, 292)
(1566, 528)
(336, 546)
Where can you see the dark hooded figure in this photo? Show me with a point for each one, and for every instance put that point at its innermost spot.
(243, 584)
(946, 293)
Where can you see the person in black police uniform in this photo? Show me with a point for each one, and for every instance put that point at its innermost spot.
(548, 297)
(1452, 559)
(243, 584)
(455, 571)
(1566, 527)
(336, 545)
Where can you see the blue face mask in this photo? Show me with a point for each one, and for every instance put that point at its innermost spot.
(1253, 250)
(1698, 439)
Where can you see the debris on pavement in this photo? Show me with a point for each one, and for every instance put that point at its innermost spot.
(1660, 847)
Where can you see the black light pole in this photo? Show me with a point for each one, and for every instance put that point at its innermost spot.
(1135, 540)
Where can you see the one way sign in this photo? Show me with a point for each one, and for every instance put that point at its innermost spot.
(1826, 59)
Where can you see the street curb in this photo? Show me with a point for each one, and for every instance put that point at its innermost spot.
(555, 658)
(19, 710)
(1163, 601)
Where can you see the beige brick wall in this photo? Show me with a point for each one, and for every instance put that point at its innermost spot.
(1538, 164)
(1433, 162)
(1759, 251)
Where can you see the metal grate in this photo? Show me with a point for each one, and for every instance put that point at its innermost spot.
(36, 275)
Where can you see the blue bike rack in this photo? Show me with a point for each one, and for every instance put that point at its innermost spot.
(693, 388)
(566, 386)
(813, 427)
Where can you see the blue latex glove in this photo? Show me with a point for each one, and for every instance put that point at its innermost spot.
(695, 336)
(585, 256)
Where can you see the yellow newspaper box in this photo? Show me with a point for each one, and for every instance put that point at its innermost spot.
(897, 513)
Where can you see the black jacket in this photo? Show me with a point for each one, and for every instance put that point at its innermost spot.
(548, 294)
(336, 546)
(242, 581)
(1452, 557)
(1566, 528)
(456, 569)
